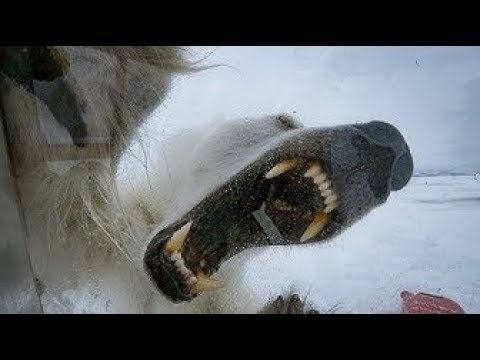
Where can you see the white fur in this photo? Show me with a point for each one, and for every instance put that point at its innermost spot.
(86, 229)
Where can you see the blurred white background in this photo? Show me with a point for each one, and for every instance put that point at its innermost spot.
(432, 94)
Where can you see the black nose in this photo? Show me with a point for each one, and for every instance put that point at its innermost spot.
(386, 134)
(402, 171)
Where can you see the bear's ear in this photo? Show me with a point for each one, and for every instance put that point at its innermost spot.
(288, 122)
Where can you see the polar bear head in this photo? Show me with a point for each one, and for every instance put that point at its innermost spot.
(301, 185)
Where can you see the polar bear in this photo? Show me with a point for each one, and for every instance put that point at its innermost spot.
(153, 243)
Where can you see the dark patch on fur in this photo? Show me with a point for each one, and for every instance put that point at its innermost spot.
(27, 64)
(288, 305)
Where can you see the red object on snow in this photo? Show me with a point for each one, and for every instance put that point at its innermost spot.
(422, 303)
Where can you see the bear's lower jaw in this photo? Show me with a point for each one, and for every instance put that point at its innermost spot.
(290, 201)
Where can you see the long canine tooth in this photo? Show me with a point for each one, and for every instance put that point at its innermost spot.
(178, 238)
(324, 186)
(331, 199)
(330, 207)
(204, 283)
(320, 178)
(281, 167)
(317, 225)
(313, 171)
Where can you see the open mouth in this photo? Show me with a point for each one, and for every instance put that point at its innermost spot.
(292, 202)
(303, 189)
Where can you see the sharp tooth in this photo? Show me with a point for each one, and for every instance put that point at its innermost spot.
(330, 207)
(178, 239)
(280, 168)
(179, 263)
(331, 199)
(313, 171)
(320, 178)
(204, 283)
(326, 193)
(317, 225)
(324, 186)
(175, 256)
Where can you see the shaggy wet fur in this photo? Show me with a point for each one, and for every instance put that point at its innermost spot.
(81, 241)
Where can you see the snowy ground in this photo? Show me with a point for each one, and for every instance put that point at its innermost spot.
(424, 239)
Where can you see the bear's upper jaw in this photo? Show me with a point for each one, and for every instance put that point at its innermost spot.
(304, 188)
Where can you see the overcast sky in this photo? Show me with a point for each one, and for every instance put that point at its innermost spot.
(432, 94)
